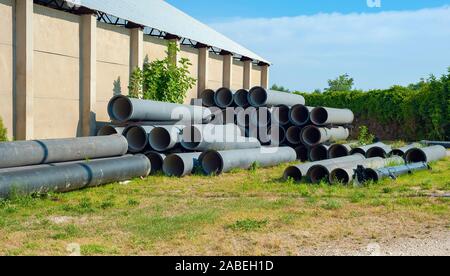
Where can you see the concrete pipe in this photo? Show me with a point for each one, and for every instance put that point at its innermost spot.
(302, 153)
(445, 144)
(338, 150)
(381, 150)
(218, 162)
(72, 177)
(300, 115)
(344, 173)
(124, 109)
(378, 147)
(298, 172)
(259, 97)
(260, 117)
(245, 117)
(156, 161)
(318, 153)
(331, 116)
(110, 130)
(427, 155)
(368, 174)
(401, 151)
(27, 153)
(180, 164)
(280, 115)
(137, 137)
(274, 135)
(217, 115)
(293, 135)
(313, 136)
(241, 98)
(224, 97)
(164, 138)
(207, 97)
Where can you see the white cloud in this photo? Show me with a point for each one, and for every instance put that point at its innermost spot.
(378, 50)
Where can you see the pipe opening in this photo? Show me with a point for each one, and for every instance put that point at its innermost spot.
(370, 175)
(121, 109)
(224, 98)
(160, 139)
(293, 173)
(277, 137)
(208, 98)
(137, 138)
(263, 115)
(416, 156)
(318, 153)
(107, 131)
(340, 176)
(212, 163)
(299, 115)
(397, 152)
(241, 98)
(156, 161)
(376, 152)
(281, 114)
(319, 116)
(257, 96)
(293, 135)
(311, 136)
(337, 151)
(173, 166)
(318, 173)
(192, 137)
(358, 151)
(302, 153)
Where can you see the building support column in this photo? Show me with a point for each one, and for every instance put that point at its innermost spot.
(248, 63)
(227, 69)
(203, 64)
(23, 94)
(173, 54)
(265, 70)
(89, 74)
(137, 48)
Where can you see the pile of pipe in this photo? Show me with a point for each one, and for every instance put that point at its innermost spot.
(282, 119)
(369, 163)
(63, 165)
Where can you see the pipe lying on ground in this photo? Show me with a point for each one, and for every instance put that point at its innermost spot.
(300, 115)
(313, 136)
(338, 150)
(110, 130)
(427, 155)
(180, 164)
(215, 163)
(297, 173)
(274, 135)
(137, 137)
(241, 98)
(280, 114)
(318, 153)
(401, 151)
(344, 173)
(27, 153)
(124, 109)
(259, 97)
(445, 144)
(326, 116)
(368, 174)
(207, 97)
(364, 149)
(293, 135)
(302, 153)
(224, 97)
(164, 138)
(72, 177)
(382, 150)
(156, 161)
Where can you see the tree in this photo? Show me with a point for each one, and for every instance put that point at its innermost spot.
(342, 84)
(279, 88)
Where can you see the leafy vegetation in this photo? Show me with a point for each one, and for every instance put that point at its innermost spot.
(365, 137)
(280, 88)
(3, 132)
(342, 83)
(162, 80)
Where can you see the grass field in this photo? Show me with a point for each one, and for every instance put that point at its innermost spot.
(241, 213)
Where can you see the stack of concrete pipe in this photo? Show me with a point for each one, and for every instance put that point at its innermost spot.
(63, 165)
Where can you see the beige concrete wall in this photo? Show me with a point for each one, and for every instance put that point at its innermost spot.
(56, 79)
(113, 65)
(256, 75)
(238, 75)
(191, 54)
(215, 73)
(6, 65)
(154, 48)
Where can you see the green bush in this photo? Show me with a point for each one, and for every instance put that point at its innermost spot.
(3, 132)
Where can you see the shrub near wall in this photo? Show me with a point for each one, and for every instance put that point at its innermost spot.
(409, 113)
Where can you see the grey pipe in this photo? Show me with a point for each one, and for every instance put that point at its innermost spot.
(318, 153)
(302, 153)
(244, 116)
(260, 117)
(364, 149)
(207, 97)
(331, 116)
(124, 109)
(74, 176)
(156, 161)
(382, 150)
(298, 172)
(280, 114)
(375, 175)
(344, 173)
(274, 135)
(110, 130)
(27, 153)
(215, 163)
(224, 97)
(259, 97)
(428, 155)
(164, 138)
(300, 115)
(137, 137)
(338, 150)
(445, 144)
(313, 136)
(180, 164)
(293, 135)
(241, 98)
(401, 151)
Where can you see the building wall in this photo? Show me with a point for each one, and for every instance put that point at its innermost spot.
(191, 54)
(56, 73)
(154, 48)
(256, 76)
(215, 73)
(113, 65)
(6, 64)
(238, 75)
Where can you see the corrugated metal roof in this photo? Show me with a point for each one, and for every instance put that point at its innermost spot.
(160, 15)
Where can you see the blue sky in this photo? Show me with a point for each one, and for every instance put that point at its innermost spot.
(311, 41)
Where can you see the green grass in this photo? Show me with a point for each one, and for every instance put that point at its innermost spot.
(244, 212)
